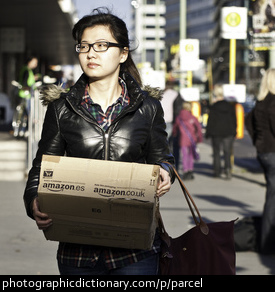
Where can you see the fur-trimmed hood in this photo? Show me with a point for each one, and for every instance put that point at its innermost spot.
(50, 93)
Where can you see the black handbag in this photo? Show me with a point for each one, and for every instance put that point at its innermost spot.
(247, 234)
(206, 249)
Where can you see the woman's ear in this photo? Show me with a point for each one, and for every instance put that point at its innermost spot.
(124, 55)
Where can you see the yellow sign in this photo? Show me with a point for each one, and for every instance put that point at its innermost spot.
(175, 49)
(189, 54)
(233, 19)
(189, 48)
(234, 22)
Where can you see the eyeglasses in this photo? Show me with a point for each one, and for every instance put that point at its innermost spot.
(97, 47)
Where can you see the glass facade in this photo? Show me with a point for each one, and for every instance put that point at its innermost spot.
(203, 23)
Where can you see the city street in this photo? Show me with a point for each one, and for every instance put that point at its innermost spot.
(25, 251)
(190, 46)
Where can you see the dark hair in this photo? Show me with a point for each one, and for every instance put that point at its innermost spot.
(118, 30)
(29, 58)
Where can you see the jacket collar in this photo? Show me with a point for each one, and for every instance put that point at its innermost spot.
(137, 95)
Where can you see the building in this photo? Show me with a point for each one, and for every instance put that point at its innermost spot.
(203, 23)
(31, 27)
(149, 23)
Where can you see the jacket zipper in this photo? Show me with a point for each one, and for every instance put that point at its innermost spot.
(106, 135)
(106, 143)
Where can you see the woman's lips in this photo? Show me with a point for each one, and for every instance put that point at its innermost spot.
(92, 65)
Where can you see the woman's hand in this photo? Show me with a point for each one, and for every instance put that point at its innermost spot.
(164, 183)
(42, 219)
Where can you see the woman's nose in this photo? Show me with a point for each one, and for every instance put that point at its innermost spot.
(91, 53)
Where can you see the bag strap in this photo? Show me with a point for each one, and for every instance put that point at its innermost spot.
(192, 206)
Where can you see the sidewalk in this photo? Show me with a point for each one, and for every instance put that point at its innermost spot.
(24, 250)
(220, 200)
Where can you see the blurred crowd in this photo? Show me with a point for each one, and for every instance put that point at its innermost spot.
(187, 127)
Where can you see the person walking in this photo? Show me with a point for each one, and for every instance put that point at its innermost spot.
(169, 96)
(26, 85)
(260, 124)
(27, 80)
(190, 134)
(177, 107)
(221, 128)
(172, 103)
(105, 115)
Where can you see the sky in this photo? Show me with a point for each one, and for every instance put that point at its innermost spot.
(121, 8)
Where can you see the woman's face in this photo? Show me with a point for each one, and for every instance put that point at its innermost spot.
(101, 65)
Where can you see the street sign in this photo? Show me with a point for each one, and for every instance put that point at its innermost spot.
(189, 54)
(190, 94)
(234, 92)
(234, 22)
(154, 78)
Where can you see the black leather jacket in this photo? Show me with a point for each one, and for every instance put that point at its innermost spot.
(136, 135)
(260, 124)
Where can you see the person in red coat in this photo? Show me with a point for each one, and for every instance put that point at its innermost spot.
(190, 132)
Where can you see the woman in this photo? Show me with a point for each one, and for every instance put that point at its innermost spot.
(260, 124)
(221, 128)
(189, 128)
(104, 116)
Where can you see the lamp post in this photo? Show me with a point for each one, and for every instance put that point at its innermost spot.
(182, 32)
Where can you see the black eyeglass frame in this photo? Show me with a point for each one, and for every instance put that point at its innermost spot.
(109, 44)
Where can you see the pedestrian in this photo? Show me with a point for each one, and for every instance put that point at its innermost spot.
(105, 115)
(260, 124)
(177, 107)
(221, 128)
(190, 133)
(27, 80)
(26, 85)
(167, 101)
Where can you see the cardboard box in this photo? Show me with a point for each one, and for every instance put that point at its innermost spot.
(106, 203)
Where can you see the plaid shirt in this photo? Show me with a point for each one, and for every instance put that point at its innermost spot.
(105, 119)
(87, 255)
